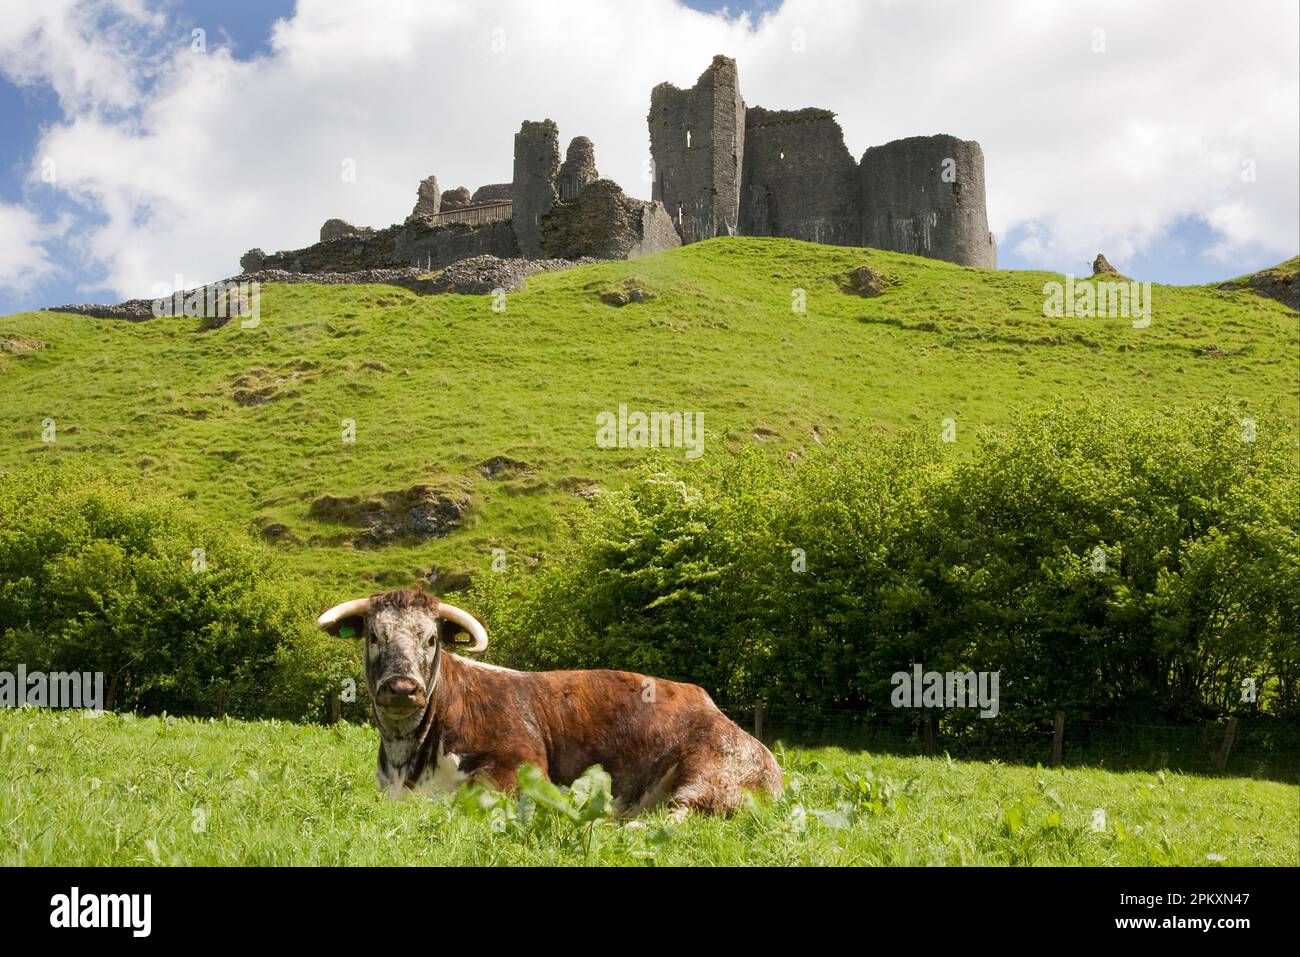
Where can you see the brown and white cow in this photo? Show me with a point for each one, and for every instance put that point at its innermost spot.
(444, 719)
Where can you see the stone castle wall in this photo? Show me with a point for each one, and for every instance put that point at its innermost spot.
(414, 243)
(925, 195)
(800, 180)
(721, 168)
(537, 164)
(697, 139)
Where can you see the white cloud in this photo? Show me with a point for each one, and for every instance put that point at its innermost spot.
(1096, 150)
(94, 53)
(23, 258)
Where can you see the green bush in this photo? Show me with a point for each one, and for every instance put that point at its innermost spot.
(1108, 563)
(98, 573)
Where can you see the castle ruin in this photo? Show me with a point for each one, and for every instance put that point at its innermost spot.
(721, 168)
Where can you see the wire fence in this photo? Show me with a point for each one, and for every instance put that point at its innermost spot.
(1251, 746)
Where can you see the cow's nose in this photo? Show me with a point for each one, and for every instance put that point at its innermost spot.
(402, 687)
(399, 691)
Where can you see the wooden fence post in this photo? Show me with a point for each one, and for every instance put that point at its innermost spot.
(929, 734)
(1058, 739)
(758, 719)
(336, 706)
(1221, 762)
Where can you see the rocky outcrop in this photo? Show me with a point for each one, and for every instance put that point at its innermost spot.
(1281, 282)
(1100, 267)
(413, 514)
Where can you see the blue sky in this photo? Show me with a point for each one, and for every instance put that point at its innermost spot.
(169, 162)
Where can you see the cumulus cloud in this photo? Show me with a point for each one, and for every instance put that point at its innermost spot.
(1089, 145)
(24, 260)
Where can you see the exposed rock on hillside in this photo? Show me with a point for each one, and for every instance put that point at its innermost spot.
(1101, 267)
(419, 512)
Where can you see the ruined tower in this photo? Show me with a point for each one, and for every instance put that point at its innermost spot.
(578, 170)
(722, 169)
(697, 140)
(925, 195)
(537, 164)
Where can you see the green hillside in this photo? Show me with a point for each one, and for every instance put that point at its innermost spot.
(460, 406)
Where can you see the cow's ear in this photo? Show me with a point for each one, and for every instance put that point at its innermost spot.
(353, 626)
(451, 633)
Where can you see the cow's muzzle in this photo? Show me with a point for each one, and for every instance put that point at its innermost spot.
(400, 694)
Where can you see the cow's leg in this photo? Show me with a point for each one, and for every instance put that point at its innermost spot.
(715, 778)
(504, 775)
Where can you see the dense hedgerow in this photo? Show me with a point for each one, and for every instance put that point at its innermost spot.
(100, 573)
(1109, 563)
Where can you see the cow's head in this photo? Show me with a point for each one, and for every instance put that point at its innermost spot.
(402, 632)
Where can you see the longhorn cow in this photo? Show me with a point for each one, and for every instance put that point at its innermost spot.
(444, 719)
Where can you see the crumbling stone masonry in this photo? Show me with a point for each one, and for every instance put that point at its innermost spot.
(578, 170)
(720, 169)
(799, 179)
(537, 164)
(925, 195)
(428, 201)
(697, 139)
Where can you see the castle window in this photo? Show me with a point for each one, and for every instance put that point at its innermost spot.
(688, 139)
(679, 214)
(782, 154)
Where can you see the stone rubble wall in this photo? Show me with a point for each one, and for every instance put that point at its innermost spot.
(604, 223)
(414, 243)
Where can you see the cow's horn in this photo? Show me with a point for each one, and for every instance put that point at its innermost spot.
(467, 621)
(357, 606)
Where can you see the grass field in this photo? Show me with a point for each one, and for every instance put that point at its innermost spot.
(117, 790)
(248, 422)
(498, 410)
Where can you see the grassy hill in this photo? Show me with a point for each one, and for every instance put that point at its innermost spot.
(486, 420)
(117, 790)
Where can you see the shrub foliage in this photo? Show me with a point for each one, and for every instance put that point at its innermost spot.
(1108, 563)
